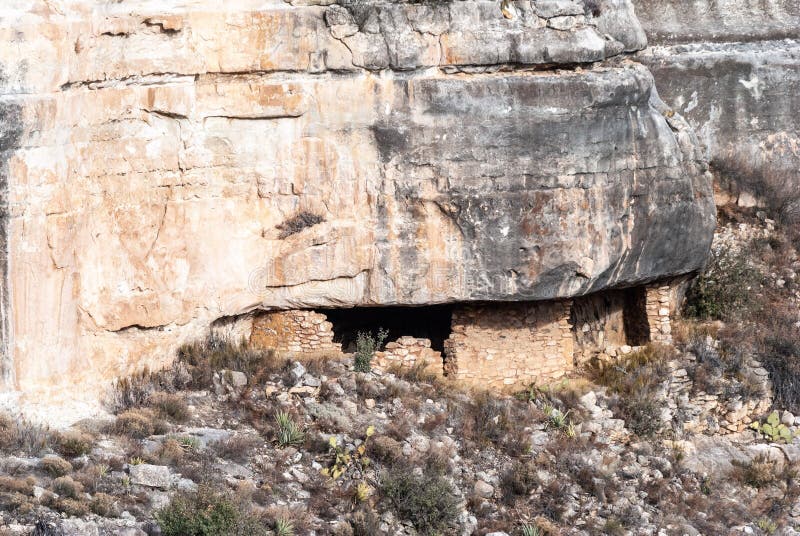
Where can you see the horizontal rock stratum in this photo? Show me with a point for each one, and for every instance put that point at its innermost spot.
(732, 69)
(154, 154)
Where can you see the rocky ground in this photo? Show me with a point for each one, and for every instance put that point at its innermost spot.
(662, 440)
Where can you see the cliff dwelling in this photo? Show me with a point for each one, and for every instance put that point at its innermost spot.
(488, 343)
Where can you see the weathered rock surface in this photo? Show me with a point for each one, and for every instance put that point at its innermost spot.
(732, 69)
(148, 153)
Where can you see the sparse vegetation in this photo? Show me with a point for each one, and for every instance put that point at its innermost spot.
(206, 513)
(73, 443)
(289, 433)
(138, 424)
(727, 288)
(635, 378)
(170, 406)
(55, 466)
(298, 222)
(426, 500)
(759, 472)
(366, 346)
(19, 435)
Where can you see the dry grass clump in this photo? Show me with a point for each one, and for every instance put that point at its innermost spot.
(171, 452)
(759, 472)
(489, 420)
(65, 486)
(71, 507)
(136, 390)
(170, 406)
(635, 379)
(73, 443)
(420, 372)
(204, 358)
(17, 485)
(103, 505)
(55, 466)
(237, 448)
(19, 435)
(138, 424)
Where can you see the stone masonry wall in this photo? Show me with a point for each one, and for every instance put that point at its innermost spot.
(408, 352)
(662, 300)
(297, 331)
(505, 344)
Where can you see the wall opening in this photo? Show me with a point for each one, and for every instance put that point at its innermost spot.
(610, 319)
(634, 314)
(430, 322)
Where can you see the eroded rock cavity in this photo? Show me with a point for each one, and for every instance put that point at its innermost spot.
(489, 344)
(177, 164)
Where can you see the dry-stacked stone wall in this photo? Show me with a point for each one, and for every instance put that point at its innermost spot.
(662, 302)
(499, 345)
(408, 352)
(716, 412)
(297, 331)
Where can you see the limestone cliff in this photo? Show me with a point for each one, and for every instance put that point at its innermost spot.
(732, 68)
(154, 155)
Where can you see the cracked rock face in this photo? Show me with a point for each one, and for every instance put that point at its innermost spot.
(175, 165)
(732, 69)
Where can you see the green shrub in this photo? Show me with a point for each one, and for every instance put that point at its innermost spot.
(726, 289)
(427, 500)
(205, 513)
(366, 346)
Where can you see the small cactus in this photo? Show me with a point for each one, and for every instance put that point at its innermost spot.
(773, 429)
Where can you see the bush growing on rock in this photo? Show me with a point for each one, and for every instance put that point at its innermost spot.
(726, 289)
(102, 504)
(205, 513)
(138, 424)
(366, 346)
(297, 223)
(426, 500)
(204, 358)
(17, 485)
(759, 472)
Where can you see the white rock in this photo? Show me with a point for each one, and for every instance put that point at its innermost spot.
(151, 476)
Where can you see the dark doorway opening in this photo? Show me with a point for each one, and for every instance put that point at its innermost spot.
(634, 314)
(427, 322)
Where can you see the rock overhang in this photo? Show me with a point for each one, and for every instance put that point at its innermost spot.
(467, 158)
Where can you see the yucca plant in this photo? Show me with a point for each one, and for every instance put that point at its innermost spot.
(289, 432)
(531, 530)
(284, 527)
